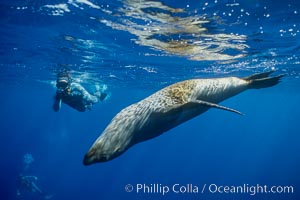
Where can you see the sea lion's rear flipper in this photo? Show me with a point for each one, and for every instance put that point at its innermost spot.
(213, 105)
(258, 75)
(262, 80)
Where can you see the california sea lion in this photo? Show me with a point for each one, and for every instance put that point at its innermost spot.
(168, 108)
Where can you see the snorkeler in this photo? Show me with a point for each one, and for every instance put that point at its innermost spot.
(27, 184)
(74, 94)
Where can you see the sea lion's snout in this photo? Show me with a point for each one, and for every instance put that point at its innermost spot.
(93, 157)
(90, 157)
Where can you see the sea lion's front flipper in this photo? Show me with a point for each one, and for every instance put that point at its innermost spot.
(213, 105)
(192, 106)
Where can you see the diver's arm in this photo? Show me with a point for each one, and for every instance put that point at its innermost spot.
(36, 188)
(32, 180)
(57, 103)
(76, 87)
(85, 94)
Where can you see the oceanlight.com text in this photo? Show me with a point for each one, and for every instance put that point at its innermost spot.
(250, 189)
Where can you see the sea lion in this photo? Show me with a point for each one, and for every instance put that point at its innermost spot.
(168, 108)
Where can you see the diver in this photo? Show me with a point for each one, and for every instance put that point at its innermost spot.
(74, 94)
(27, 161)
(27, 184)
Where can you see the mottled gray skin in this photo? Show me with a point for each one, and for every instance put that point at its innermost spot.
(161, 112)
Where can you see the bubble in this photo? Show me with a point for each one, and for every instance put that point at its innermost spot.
(28, 159)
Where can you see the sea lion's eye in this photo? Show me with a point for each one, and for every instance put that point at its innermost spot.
(91, 153)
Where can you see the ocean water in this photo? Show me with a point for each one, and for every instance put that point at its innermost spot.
(137, 47)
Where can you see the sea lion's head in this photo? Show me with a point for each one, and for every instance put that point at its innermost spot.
(119, 135)
(104, 149)
(92, 157)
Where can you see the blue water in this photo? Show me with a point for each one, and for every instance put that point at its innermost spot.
(135, 50)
